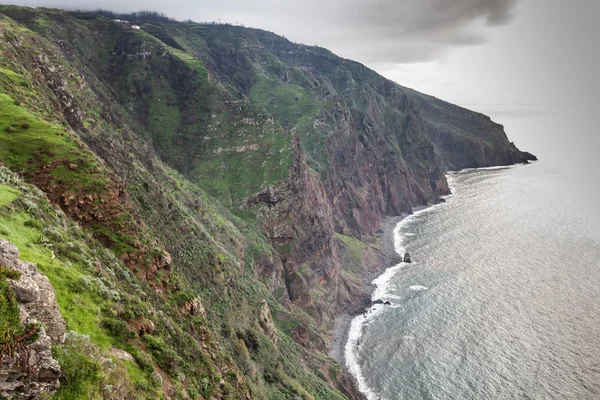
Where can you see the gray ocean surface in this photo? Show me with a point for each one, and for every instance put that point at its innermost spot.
(502, 300)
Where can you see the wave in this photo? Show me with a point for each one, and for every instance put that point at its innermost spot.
(482, 169)
(382, 290)
(418, 288)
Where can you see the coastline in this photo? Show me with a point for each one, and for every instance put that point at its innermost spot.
(343, 321)
(340, 334)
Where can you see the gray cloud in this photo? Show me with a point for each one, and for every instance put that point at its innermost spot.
(372, 31)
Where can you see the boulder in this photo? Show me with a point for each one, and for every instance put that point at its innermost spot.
(121, 354)
(37, 304)
(406, 258)
(194, 307)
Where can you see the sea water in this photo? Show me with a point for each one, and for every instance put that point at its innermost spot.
(502, 300)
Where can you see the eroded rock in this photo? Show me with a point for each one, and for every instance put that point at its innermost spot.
(194, 307)
(142, 326)
(39, 376)
(266, 322)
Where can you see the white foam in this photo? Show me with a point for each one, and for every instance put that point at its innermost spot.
(382, 281)
(418, 288)
(350, 353)
(483, 169)
(382, 290)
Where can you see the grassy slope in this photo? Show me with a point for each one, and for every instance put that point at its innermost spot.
(64, 254)
(219, 253)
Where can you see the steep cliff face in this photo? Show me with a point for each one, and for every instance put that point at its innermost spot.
(466, 139)
(230, 184)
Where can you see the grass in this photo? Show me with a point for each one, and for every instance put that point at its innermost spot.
(7, 195)
(61, 252)
(29, 143)
(355, 246)
(295, 108)
(248, 153)
(220, 255)
(81, 310)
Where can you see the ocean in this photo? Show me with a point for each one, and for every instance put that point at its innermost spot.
(502, 300)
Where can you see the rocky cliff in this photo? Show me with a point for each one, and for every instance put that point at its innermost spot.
(226, 187)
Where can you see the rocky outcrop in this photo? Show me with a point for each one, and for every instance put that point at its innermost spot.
(32, 373)
(143, 326)
(296, 215)
(194, 307)
(266, 322)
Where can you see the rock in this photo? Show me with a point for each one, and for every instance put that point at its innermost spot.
(26, 290)
(378, 301)
(194, 307)
(34, 292)
(121, 354)
(25, 126)
(406, 258)
(266, 322)
(142, 326)
(37, 303)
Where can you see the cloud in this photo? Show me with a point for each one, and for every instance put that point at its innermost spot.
(372, 31)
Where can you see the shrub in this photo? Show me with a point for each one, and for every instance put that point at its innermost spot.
(163, 354)
(81, 373)
(143, 360)
(118, 329)
(240, 350)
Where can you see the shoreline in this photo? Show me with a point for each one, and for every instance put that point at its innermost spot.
(340, 334)
(343, 323)
(341, 330)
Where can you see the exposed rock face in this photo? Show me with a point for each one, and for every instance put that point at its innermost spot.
(194, 307)
(296, 215)
(266, 322)
(142, 326)
(37, 302)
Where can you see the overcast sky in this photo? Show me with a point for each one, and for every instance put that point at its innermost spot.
(530, 64)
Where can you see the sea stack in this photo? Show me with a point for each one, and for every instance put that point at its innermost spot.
(406, 258)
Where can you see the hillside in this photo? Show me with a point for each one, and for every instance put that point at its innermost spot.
(205, 199)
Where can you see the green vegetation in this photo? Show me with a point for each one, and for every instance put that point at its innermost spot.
(7, 195)
(295, 108)
(29, 143)
(191, 325)
(355, 246)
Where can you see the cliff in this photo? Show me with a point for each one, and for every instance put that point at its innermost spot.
(226, 187)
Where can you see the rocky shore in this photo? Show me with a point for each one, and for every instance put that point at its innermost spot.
(341, 328)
